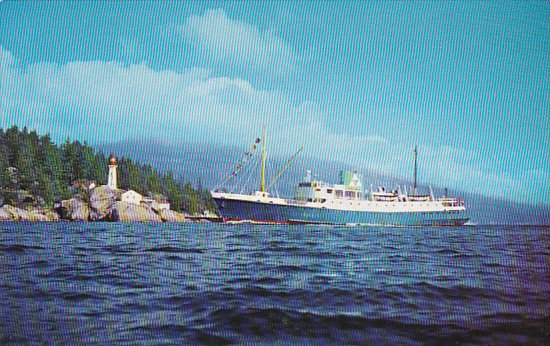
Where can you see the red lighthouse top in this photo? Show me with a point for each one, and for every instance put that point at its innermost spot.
(112, 160)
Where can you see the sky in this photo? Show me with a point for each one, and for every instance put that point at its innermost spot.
(360, 82)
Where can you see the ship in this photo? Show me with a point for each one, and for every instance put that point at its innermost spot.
(346, 203)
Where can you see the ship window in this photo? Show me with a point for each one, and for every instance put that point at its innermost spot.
(329, 190)
(339, 193)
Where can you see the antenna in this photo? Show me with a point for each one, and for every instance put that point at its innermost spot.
(415, 165)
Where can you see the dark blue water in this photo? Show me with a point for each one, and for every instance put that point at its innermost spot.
(104, 283)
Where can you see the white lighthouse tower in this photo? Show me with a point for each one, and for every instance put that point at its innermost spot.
(111, 180)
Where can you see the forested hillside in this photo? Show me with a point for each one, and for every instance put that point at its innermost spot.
(35, 172)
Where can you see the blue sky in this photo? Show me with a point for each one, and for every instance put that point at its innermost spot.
(357, 82)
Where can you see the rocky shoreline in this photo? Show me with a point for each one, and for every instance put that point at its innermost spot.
(103, 205)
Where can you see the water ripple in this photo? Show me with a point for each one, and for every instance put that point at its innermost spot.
(220, 284)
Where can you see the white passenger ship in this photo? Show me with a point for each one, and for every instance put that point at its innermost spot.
(345, 203)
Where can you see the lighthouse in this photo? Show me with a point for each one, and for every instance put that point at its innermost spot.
(111, 181)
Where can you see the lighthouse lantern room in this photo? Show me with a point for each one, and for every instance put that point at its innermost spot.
(111, 180)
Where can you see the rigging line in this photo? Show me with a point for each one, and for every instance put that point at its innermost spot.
(238, 181)
(257, 168)
(245, 185)
(285, 166)
(241, 174)
(217, 187)
(225, 181)
(252, 171)
(242, 163)
(276, 190)
(272, 168)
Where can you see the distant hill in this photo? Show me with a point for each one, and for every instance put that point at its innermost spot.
(208, 165)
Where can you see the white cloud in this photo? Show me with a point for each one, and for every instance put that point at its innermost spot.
(109, 101)
(6, 58)
(228, 40)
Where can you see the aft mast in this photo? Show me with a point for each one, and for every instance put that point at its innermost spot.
(262, 181)
(415, 165)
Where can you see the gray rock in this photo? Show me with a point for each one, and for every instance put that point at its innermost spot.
(129, 212)
(51, 216)
(10, 213)
(172, 216)
(74, 210)
(34, 215)
(102, 202)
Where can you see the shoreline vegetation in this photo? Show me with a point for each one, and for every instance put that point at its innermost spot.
(43, 181)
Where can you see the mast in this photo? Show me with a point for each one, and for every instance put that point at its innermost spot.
(415, 165)
(262, 182)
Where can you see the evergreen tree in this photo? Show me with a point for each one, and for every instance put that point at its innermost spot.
(12, 143)
(51, 177)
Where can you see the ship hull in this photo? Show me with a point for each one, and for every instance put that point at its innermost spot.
(232, 210)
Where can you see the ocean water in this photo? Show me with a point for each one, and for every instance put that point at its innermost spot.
(114, 283)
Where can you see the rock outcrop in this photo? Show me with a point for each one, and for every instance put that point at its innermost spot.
(172, 216)
(128, 212)
(52, 215)
(35, 215)
(10, 213)
(74, 210)
(105, 205)
(102, 202)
